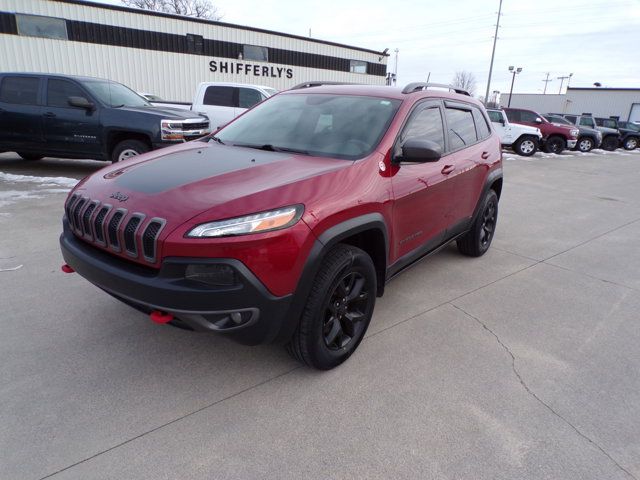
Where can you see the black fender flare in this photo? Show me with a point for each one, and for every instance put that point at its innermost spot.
(493, 176)
(324, 243)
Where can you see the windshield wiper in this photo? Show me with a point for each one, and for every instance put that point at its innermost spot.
(118, 106)
(272, 148)
(214, 138)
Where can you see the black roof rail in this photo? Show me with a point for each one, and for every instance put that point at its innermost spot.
(417, 86)
(318, 83)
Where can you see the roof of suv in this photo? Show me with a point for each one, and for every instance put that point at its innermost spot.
(60, 75)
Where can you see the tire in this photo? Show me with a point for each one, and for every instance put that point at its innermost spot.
(127, 149)
(525, 146)
(631, 143)
(325, 336)
(555, 145)
(477, 241)
(609, 143)
(30, 156)
(585, 144)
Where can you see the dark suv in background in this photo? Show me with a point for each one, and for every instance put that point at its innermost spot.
(629, 133)
(82, 117)
(610, 136)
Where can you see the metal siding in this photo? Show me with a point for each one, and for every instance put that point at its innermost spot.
(171, 75)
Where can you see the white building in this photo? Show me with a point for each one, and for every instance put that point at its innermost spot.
(168, 55)
(623, 103)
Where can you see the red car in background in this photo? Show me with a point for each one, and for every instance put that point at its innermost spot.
(555, 138)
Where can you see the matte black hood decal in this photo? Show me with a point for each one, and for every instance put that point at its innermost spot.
(181, 168)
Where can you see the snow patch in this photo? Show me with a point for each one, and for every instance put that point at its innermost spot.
(44, 181)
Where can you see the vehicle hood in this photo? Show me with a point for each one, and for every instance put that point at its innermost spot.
(163, 112)
(180, 182)
(529, 130)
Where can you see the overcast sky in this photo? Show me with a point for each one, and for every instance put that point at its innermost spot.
(597, 41)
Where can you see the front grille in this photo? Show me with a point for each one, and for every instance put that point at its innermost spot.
(195, 126)
(114, 229)
(130, 235)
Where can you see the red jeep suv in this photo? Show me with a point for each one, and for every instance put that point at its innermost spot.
(555, 138)
(286, 224)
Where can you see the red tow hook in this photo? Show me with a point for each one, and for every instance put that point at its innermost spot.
(67, 269)
(160, 317)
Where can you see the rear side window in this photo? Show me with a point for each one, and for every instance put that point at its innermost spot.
(513, 115)
(248, 97)
(220, 96)
(571, 118)
(586, 122)
(526, 116)
(59, 91)
(427, 125)
(462, 129)
(20, 90)
(482, 127)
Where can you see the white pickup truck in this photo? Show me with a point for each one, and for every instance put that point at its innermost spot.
(522, 139)
(221, 102)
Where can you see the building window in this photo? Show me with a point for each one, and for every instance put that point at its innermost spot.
(253, 52)
(357, 66)
(195, 43)
(45, 27)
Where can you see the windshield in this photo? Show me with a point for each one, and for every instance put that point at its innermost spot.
(630, 126)
(555, 119)
(270, 91)
(340, 126)
(115, 94)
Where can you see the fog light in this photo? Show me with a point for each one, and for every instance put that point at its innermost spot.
(216, 275)
(223, 321)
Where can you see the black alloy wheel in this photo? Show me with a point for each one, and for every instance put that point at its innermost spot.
(345, 312)
(477, 240)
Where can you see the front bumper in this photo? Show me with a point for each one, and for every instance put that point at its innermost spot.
(194, 305)
(571, 143)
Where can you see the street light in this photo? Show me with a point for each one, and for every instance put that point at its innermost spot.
(514, 71)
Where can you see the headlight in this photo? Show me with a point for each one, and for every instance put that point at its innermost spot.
(258, 223)
(171, 130)
(575, 132)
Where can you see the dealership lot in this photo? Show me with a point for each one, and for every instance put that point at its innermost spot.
(523, 363)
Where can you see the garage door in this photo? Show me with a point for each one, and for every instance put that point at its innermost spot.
(634, 116)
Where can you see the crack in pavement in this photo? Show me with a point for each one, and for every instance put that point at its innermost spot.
(536, 397)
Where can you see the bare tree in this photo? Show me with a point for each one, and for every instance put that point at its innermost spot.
(188, 8)
(465, 80)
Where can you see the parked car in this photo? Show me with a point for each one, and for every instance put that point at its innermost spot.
(610, 136)
(286, 225)
(222, 102)
(157, 101)
(524, 140)
(555, 138)
(588, 138)
(629, 137)
(83, 117)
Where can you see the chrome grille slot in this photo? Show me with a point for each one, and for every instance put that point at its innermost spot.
(77, 214)
(112, 229)
(129, 234)
(86, 219)
(69, 208)
(98, 225)
(150, 238)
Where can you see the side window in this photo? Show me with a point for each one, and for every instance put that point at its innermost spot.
(59, 91)
(425, 124)
(527, 116)
(248, 97)
(495, 116)
(20, 90)
(219, 96)
(462, 130)
(513, 115)
(586, 122)
(482, 128)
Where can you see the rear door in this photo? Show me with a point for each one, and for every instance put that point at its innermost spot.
(68, 128)
(420, 191)
(500, 126)
(247, 98)
(219, 103)
(21, 113)
(467, 131)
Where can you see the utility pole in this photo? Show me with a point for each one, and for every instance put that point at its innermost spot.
(493, 54)
(562, 79)
(546, 81)
(395, 70)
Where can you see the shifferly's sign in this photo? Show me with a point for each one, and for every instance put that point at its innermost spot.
(240, 68)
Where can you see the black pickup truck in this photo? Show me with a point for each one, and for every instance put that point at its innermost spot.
(82, 117)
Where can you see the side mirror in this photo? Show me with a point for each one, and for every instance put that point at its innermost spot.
(538, 120)
(419, 151)
(503, 122)
(81, 102)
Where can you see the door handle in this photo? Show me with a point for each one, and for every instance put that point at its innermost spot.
(485, 155)
(49, 114)
(447, 169)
